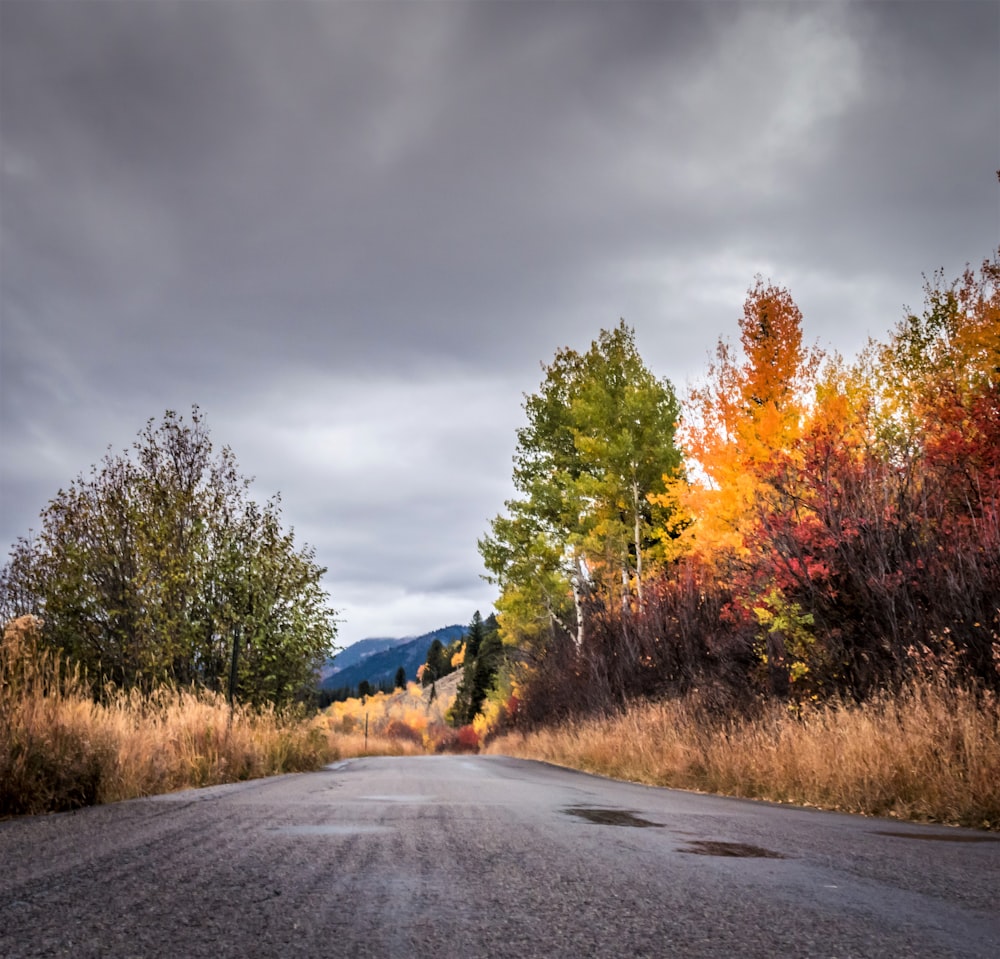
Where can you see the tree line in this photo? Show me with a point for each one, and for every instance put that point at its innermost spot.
(799, 526)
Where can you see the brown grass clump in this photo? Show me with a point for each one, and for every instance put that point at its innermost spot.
(59, 749)
(930, 753)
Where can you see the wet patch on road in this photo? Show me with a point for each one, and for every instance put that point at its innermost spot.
(734, 850)
(611, 817)
(939, 836)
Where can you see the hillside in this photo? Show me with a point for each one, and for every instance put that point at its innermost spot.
(378, 662)
(357, 653)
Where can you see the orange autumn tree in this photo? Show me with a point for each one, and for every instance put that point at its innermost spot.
(940, 366)
(740, 426)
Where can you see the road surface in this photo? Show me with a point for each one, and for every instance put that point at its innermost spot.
(486, 856)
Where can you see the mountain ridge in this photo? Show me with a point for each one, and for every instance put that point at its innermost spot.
(377, 660)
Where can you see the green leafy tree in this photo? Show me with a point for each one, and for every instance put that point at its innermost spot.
(153, 567)
(598, 442)
(535, 575)
(624, 420)
(400, 682)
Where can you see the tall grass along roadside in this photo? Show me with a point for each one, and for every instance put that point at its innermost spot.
(60, 749)
(928, 753)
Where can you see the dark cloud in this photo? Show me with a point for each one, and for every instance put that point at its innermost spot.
(351, 231)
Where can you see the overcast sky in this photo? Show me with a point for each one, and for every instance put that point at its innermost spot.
(352, 232)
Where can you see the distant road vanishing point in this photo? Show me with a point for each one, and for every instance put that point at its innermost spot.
(466, 857)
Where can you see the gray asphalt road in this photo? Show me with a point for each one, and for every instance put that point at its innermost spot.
(486, 856)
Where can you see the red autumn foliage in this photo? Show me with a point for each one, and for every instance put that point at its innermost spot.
(841, 538)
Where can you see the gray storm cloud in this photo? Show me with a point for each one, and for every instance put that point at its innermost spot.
(351, 232)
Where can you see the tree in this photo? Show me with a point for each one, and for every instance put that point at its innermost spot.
(438, 663)
(894, 544)
(598, 441)
(743, 421)
(537, 595)
(400, 682)
(624, 424)
(854, 515)
(474, 636)
(484, 655)
(155, 565)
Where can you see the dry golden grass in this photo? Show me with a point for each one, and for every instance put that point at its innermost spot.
(60, 750)
(931, 754)
(350, 745)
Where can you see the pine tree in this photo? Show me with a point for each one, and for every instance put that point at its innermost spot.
(479, 669)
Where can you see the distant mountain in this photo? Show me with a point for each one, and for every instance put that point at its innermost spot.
(358, 653)
(377, 660)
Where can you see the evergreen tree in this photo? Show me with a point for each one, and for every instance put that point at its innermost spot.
(435, 663)
(479, 669)
(474, 637)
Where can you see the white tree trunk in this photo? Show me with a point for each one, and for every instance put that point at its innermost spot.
(638, 546)
(577, 581)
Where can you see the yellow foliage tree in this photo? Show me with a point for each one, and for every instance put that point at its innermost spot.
(740, 424)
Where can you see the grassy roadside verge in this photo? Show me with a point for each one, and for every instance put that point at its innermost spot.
(930, 754)
(59, 749)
